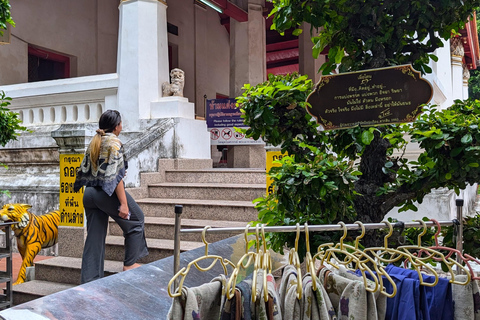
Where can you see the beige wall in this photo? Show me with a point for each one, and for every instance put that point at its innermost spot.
(200, 31)
(86, 30)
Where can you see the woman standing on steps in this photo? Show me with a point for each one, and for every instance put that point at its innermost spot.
(102, 171)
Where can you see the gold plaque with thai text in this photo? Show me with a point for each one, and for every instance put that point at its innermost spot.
(369, 98)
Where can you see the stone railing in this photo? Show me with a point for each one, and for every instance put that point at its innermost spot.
(74, 100)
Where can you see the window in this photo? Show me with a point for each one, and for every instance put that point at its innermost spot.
(47, 65)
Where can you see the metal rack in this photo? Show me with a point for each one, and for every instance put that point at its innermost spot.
(6, 299)
(313, 228)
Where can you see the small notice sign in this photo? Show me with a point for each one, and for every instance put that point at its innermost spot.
(71, 203)
(222, 118)
(369, 98)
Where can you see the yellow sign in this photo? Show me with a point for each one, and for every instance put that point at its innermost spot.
(71, 203)
(272, 156)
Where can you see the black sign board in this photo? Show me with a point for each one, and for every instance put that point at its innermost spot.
(369, 98)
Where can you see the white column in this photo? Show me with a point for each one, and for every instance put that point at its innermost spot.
(142, 60)
(248, 50)
(248, 64)
(257, 42)
(306, 63)
(458, 52)
(466, 77)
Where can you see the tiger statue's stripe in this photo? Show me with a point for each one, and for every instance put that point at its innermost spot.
(32, 232)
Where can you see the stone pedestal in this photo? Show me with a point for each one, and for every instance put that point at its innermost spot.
(252, 156)
(72, 139)
(172, 107)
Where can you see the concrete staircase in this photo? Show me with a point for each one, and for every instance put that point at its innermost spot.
(213, 197)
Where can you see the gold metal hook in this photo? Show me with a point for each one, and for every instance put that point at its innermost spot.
(298, 237)
(246, 237)
(424, 225)
(309, 262)
(385, 240)
(204, 239)
(307, 237)
(344, 234)
(439, 229)
(257, 235)
(263, 238)
(357, 239)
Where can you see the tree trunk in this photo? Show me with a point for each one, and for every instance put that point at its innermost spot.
(367, 203)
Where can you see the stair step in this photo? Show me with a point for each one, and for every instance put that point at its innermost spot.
(214, 191)
(164, 228)
(35, 289)
(157, 248)
(67, 270)
(200, 209)
(227, 175)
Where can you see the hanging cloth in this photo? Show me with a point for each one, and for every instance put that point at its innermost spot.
(347, 296)
(317, 304)
(376, 302)
(200, 303)
(232, 309)
(273, 309)
(436, 303)
(289, 304)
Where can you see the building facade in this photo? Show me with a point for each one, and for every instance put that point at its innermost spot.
(67, 62)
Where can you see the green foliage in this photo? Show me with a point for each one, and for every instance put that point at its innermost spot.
(5, 16)
(9, 121)
(371, 34)
(275, 110)
(9, 126)
(471, 236)
(319, 182)
(474, 84)
(308, 192)
(451, 142)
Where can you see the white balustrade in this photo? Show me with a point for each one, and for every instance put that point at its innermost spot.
(75, 100)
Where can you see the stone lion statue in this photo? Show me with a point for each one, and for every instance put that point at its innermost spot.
(175, 88)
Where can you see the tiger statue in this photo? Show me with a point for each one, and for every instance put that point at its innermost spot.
(33, 232)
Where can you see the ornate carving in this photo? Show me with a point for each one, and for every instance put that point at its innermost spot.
(456, 47)
(466, 73)
(175, 88)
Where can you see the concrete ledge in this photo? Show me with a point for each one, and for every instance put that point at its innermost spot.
(172, 107)
(35, 289)
(138, 193)
(193, 163)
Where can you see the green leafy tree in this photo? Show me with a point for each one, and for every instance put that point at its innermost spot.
(474, 84)
(5, 16)
(10, 124)
(9, 121)
(352, 174)
(370, 34)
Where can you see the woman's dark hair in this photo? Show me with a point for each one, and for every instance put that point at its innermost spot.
(109, 120)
